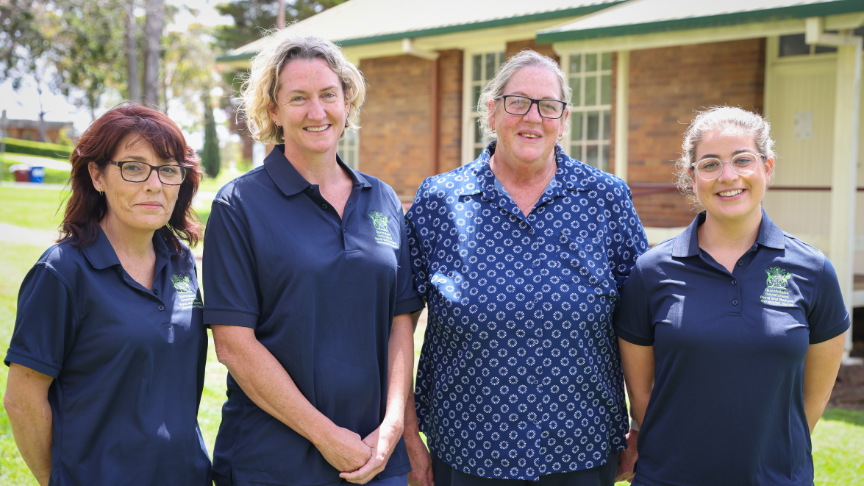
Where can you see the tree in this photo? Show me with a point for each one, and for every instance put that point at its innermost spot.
(187, 68)
(210, 155)
(153, 27)
(19, 41)
(133, 79)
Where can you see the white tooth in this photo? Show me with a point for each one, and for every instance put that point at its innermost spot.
(317, 129)
(731, 193)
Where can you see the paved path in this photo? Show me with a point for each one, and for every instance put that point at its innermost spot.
(27, 236)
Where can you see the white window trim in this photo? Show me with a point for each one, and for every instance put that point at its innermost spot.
(567, 141)
(468, 119)
(355, 151)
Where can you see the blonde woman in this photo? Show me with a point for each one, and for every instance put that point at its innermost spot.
(309, 289)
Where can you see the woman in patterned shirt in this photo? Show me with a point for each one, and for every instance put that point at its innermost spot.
(520, 256)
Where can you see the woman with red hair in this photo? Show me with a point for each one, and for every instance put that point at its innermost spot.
(108, 352)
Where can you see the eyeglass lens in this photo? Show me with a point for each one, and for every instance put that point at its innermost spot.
(742, 164)
(518, 105)
(139, 172)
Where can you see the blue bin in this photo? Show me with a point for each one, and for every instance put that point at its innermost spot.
(37, 174)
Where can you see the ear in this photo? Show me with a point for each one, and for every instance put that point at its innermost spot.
(769, 167)
(274, 113)
(563, 123)
(96, 176)
(490, 108)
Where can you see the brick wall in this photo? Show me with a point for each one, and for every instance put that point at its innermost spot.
(396, 138)
(516, 46)
(666, 85)
(450, 109)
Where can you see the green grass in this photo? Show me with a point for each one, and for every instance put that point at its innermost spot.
(52, 176)
(32, 208)
(838, 441)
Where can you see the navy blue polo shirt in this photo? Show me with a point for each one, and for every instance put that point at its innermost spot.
(127, 362)
(321, 293)
(729, 348)
(520, 374)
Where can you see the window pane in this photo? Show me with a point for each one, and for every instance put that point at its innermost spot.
(478, 132)
(475, 97)
(593, 132)
(591, 155)
(501, 60)
(590, 62)
(591, 91)
(604, 158)
(490, 66)
(575, 152)
(606, 61)
(477, 152)
(576, 63)
(476, 64)
(576, 86)
(793, 45)
(606, 116)
(576, 129)
(605, 89)
(824, 49)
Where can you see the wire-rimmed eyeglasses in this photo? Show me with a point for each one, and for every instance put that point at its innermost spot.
(520, 105)
(134, 171)
(742, 164)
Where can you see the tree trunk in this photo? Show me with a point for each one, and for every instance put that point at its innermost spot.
(132, 75)
(153, 36)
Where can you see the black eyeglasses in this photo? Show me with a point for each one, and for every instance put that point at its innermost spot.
(133, 171)
(520, 105)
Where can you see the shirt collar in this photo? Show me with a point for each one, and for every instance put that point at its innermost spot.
(101, 254)
(481, 179)
(290, 182)
(686, 244)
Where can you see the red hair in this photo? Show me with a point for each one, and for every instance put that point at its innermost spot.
(98, 144)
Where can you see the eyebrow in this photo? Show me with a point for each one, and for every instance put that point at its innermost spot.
(138, 158)
(303, 91)
(523, 94)
(715, 156)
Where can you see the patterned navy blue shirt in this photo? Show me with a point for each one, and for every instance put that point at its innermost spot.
(520, 373)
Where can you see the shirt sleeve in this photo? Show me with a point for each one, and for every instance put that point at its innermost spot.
(418, 259)
(407, 299)
(629, 240)
(45, 326)
(633, 321)
(230, 276)
(828, 317)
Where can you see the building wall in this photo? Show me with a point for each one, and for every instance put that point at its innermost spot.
(666, 86)
(51, 135)
(450, 109)
(395, 139)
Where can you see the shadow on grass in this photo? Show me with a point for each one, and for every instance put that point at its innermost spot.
(851, 417)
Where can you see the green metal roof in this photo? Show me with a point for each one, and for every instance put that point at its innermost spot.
(652, 16)
(359, 22)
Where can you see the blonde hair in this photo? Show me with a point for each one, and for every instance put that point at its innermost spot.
(495, 88)
(719, 117)
(259, 90)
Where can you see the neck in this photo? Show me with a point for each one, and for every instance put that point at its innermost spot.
(508, 170)
(131, 243)
(730, 234)
(316, 168)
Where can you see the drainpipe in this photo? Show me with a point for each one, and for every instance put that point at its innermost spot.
(845, 163)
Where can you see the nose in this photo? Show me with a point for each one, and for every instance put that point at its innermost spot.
(153, 183)
(316, 109)
(533, 114)
(726, 172)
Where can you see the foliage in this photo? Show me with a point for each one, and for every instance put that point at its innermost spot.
(16, 146)
(19, 41)
(210, 155)
(187, 67)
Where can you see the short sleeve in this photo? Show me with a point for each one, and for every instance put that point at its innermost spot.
(230, 277)
(828, 317)
(45, 326)
(629, 240)
(633, 321)
(418, 260)
(407, 299)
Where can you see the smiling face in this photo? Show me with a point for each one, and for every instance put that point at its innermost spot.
(310, 107)
(731, 197)
(135, 206)
(528, 138)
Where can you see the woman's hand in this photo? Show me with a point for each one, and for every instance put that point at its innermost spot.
(627, 458)
(26, 402)
(421, 462)
(344, 450)
(381, 442)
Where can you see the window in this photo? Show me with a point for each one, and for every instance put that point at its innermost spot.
(796, 45)
(481, 68)
(590, 77)
(349, 149)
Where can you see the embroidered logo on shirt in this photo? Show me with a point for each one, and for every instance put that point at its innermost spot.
(776, 291)
(382, 232)
(187, 294)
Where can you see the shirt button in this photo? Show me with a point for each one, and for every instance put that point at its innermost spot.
(155, 291)
(536, 300)
(734, 302)
(343, 230)
(536, 263)
(740, 263)
(323, 206)
(161, 307)
(734, 282)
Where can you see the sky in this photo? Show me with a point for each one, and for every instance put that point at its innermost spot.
(24, 104)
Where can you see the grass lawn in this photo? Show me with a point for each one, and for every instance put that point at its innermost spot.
(838, 443)
(34, 208)
(52, 176)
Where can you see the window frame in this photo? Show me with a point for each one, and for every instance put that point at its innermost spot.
(469, 112)
(582, 110)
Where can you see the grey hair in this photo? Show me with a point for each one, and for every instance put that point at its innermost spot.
(495, 87)
(719, 117)
(259, 90)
